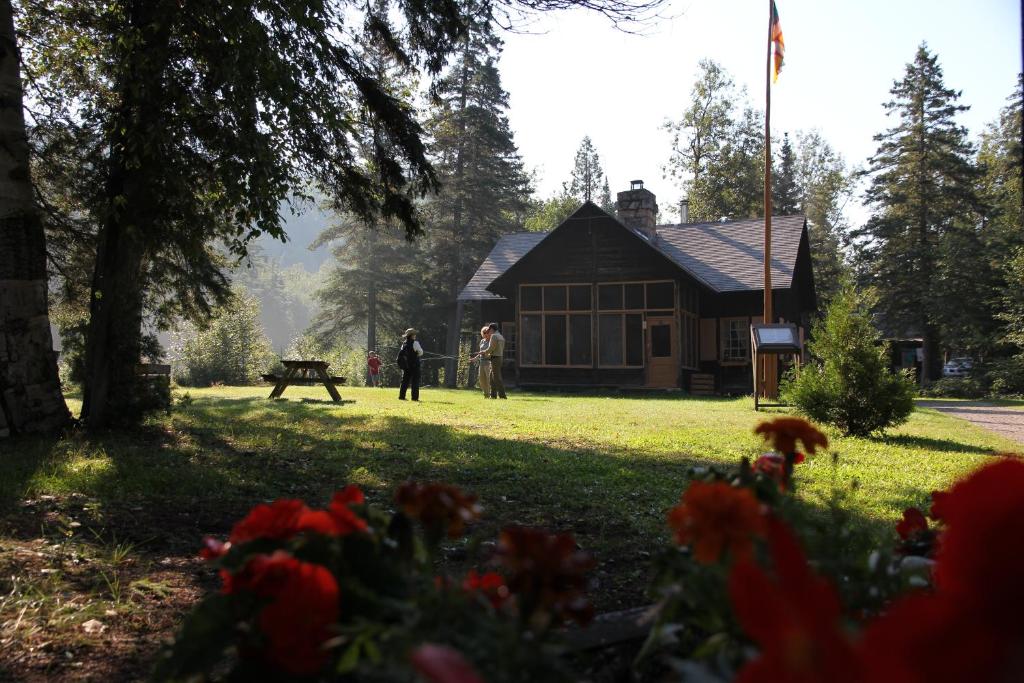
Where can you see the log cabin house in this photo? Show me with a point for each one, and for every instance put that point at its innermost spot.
(618, 301)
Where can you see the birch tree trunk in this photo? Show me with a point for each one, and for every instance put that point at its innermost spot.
(30, 396)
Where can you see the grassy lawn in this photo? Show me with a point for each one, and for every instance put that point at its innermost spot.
(104, 528)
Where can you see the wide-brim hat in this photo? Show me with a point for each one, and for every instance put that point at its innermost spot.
(408, 332)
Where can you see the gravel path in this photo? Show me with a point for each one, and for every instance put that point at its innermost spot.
(1004, 421)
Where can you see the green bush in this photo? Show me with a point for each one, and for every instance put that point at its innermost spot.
(956, 387)
(849, 383)
(1006, 376)
(231, 349)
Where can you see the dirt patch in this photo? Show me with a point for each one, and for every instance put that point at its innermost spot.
(90, 592)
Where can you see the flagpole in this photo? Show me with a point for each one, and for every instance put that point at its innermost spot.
(769, 360)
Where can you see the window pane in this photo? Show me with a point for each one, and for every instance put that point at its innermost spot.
(579, 298)
(530, 298)
(609, 297)
(659, 295)
(661, 341)
(554, 339)
(508, 330)
(529, 339)
(554, 298)
(579, 340)
(610, 340)
(634, 296)
(634, 339)
(736, 345)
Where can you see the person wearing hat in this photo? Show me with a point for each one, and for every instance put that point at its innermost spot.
(409, 361)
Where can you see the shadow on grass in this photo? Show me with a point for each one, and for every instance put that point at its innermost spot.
(200, 471)
(925, 442)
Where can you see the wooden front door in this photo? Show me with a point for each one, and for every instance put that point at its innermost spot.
(662, 353)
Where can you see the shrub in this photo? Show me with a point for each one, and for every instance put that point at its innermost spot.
(955, 387)
(232, 349)
(849, 383)
(1006, 375)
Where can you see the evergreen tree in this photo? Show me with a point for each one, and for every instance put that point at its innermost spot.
(604, 200)
(585, 183)
(1001, 158)
(824, 185)
(195, 144)
(920, 246)
(485, 188)
(785, 191)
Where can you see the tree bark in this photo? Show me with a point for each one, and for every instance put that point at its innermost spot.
(451, 364)
(114, 338)
(30, 395)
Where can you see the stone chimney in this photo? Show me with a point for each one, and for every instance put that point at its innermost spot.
(638, 209)
(684, 211)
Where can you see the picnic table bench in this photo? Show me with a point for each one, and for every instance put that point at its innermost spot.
(305, 372)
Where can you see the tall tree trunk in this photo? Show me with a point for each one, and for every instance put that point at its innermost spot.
(371, 300)
(451, 364)
(114, 338)
(30, 396)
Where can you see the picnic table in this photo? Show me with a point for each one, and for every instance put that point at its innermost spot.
(305, 372)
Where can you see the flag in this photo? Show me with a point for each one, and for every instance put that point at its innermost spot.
(778, 44)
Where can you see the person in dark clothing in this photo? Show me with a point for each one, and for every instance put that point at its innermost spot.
(409, 361)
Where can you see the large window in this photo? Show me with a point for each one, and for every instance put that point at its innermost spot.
(735, 340)
(508, 330)
(556, 325)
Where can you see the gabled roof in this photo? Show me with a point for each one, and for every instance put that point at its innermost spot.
(508, 250)
(725, 256)
(729, 256)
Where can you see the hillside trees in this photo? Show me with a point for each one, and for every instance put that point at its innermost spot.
(30, 396)
(921, 244)
(485, 188)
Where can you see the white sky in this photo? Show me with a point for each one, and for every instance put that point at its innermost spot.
(582, 77)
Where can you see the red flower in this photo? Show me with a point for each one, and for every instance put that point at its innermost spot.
(970, 628)
(715, 518)
(285, 518)
(279, 520)
(443, 664)
(981, 555)
(212, 548)
(784, 432)
(346, 521)
(913, 522)
(938, 500)
(926, 639)
(794, 616)
(439, 507)
(546, 572)
(773, 466)
(303, 603)
(490, 585)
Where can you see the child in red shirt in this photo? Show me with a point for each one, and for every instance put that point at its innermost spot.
(374, 362)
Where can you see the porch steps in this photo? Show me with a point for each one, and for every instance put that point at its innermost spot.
(702, 384)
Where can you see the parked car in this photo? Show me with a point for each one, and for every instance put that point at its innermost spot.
(957, 367)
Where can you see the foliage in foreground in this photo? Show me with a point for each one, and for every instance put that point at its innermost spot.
(914, 612)
(849, 385)
(350, 593)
